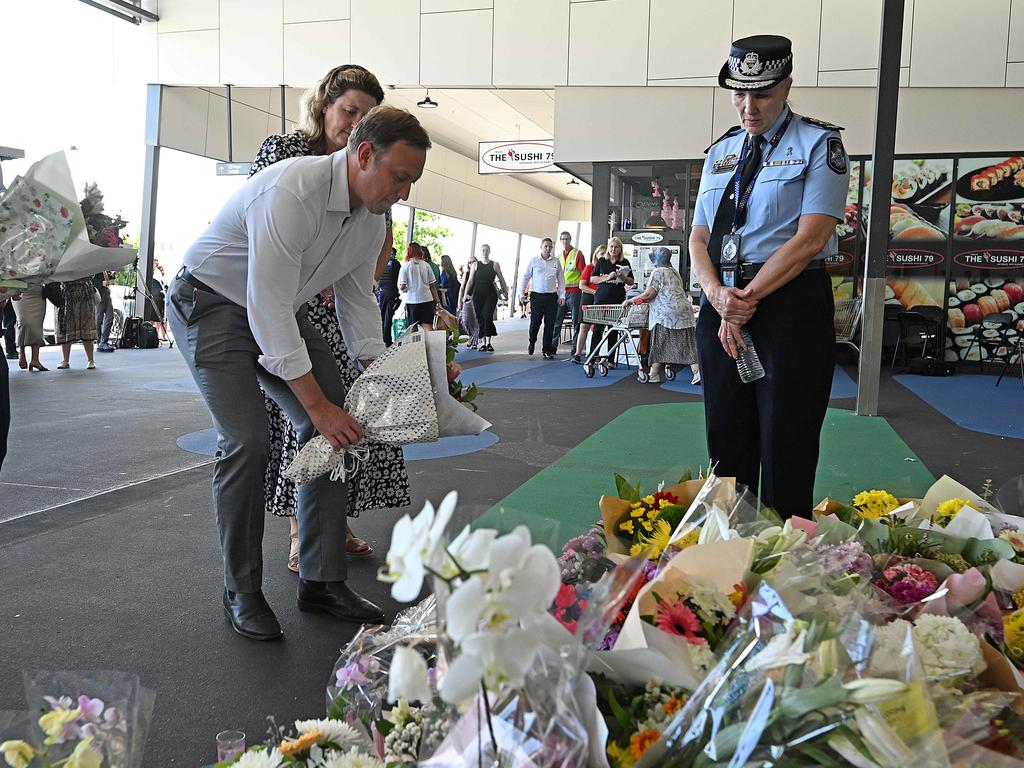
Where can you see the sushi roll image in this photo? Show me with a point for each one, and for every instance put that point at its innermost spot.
(987, 305)
(979, 288)
(904, 188)
(1015, 292)
(954, 302)
(994, 282)
(954, 318)
(966, 295)
(1001, 299)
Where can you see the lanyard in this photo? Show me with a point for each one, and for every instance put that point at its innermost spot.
(739, 214)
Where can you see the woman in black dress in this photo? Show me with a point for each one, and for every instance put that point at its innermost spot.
(329, 113)
(480, 286)
(610, 276)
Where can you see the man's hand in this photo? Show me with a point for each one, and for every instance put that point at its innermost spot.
(732, 341)
(734, 305)
(340, 429)
(561, 302)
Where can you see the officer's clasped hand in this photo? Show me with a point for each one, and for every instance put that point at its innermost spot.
(734, 305)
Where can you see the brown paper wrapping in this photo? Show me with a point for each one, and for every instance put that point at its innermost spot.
(1001, 675)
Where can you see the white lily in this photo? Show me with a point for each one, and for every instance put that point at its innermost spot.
(716, 527)
(886, 746)
(846, 750)
(868, 690)
(408, 676)
(499, 659)
(781, 650)
(415, 546)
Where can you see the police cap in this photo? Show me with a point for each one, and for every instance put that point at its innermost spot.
(757, 63)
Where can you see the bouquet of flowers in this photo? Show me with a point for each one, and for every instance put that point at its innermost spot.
(322, 743)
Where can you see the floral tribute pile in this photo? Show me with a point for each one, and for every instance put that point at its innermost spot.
(880, 633)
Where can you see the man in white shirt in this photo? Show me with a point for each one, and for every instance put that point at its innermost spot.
(296, 228)
(546, 278)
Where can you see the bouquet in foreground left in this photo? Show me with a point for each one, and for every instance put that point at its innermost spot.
(43, 234)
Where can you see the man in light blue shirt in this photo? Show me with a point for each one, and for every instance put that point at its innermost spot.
(771, 192)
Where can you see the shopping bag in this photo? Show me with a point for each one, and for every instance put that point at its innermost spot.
(398, 326)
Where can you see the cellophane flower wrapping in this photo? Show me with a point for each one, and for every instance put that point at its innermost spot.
(358, 688)
(795, 681)
(116, 711)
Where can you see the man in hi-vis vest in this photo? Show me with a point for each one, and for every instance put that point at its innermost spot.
(573, 262)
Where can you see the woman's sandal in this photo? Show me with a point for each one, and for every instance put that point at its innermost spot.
(356, 547)
(293, 552)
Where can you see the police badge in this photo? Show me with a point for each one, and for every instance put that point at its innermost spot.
(751, 64)
(836, 159)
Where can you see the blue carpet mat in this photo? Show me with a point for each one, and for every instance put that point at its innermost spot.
(204, 442)
(842, 384)
(180, 386)
(465, 354)
(973, 402)
(539, 374)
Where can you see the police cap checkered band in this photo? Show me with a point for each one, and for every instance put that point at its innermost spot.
(757, 63)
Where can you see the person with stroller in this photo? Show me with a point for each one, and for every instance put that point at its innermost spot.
(611, 276)
(671, 322)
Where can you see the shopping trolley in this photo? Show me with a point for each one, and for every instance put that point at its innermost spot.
(624, 320)
(846, 319)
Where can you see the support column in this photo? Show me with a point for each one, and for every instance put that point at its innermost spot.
(599, 231)
(886, 101)
(149, 192)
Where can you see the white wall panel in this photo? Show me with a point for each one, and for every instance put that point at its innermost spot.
(1015, 52)
(955, 47)
(188, 15)
(904, 77)
(867, 78)
(316, 10)
(248, 130)
(531, 43)
(908, 33)
(391, 49)
(453, 197)
(796, 19)
(310, 50)
(441, 6)
(843, 22)
(696, 55)
(189, 58)
(250, 42)
(217, 128)
(473, 207)
(455, 48)
(183, 119)
(684, 81)
(1015, 75)
(429, 193)
(608, 42)
(999, 131)
(583, 132)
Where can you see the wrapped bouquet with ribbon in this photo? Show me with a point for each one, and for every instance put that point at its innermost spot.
(43, 234)
(401, 398)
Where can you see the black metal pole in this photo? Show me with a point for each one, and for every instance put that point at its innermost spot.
(886, 104)
(137, 9)
(602, 180)
(284, 122)
(231, 154)
(123, 16)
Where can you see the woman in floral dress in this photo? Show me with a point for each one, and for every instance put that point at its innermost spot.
(329, 113)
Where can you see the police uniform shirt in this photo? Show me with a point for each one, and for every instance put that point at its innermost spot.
(807, 173)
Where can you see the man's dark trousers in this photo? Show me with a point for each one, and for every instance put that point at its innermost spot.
(10, 322)
(544, 306)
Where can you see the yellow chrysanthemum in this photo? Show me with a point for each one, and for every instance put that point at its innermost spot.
(873, 504)
(620, 757)
(648, 500)
(690, 539)
(647, 525)
(640, 742)
(662, 503)
(947, 510)
(1013, 629)
(636, 510)
(1018, 598)
(301, 744)
(627, 526)
(655, 542)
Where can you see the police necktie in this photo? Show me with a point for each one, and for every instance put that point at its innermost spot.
(727, 207)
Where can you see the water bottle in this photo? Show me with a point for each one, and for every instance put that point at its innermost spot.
(747, 362)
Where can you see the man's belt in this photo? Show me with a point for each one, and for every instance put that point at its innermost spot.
(194, 281)
(745, 271)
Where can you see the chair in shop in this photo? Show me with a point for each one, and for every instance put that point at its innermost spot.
(1010, 496)
(919, 328)
(891, 329)
(1019, 355)
(991, 335)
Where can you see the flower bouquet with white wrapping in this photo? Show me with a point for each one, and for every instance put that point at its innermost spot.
(401, 398)
(43, 234)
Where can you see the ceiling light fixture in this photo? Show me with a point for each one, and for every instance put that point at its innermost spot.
(427, 103)
(571, 182)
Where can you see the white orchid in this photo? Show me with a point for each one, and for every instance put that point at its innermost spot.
(469, 552)
(415, 547)
(408, 676)
(496, 659)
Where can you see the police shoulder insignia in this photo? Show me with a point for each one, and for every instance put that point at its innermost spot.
(822, 124)
(731, 132)
(836, 155)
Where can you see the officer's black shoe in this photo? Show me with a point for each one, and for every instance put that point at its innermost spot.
(250, 615)
(337, 599)
(531, 347)
(12, 355)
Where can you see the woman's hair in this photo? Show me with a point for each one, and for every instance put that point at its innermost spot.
(327, 91)
(611, 240)
(448, 267)
(413, 251)
(599, 253)
(426, 252)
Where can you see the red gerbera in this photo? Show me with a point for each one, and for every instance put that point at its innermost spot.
(676, 619)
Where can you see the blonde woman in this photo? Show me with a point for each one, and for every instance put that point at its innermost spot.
(611, 276)
(588, 290)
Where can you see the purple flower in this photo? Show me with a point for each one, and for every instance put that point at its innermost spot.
(650, 570)
(609, 640)
(848, 557)
(357, 672)
(92, 709)
(64, 702)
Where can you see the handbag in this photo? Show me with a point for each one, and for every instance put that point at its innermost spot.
(445, 320)
(638, 315)
(52, 293)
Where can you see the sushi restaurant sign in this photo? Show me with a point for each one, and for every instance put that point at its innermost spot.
(533, 156)
(907, 258)
(993, 259)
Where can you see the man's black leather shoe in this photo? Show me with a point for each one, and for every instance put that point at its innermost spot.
(529, 349)
(250, 615)
(337, 599)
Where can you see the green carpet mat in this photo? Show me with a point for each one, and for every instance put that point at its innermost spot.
(650, 443)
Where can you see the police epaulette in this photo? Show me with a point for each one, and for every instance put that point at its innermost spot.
(731, 132)
(822, 124)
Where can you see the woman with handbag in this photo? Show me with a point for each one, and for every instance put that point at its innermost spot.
(329, 112)
(671, 322)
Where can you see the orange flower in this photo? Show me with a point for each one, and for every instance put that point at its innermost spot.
(738, 594)
(301, 744)
(673, 705)
(640, 742)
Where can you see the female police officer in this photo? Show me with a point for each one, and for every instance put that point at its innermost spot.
(770, 194)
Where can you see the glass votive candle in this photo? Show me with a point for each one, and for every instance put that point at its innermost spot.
(229, 745)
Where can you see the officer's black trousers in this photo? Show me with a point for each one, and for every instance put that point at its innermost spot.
(544, 306)
(772, 427)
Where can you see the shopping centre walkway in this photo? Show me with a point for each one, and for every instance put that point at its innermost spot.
(108, 551)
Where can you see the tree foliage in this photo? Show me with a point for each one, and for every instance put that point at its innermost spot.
(429, 231)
